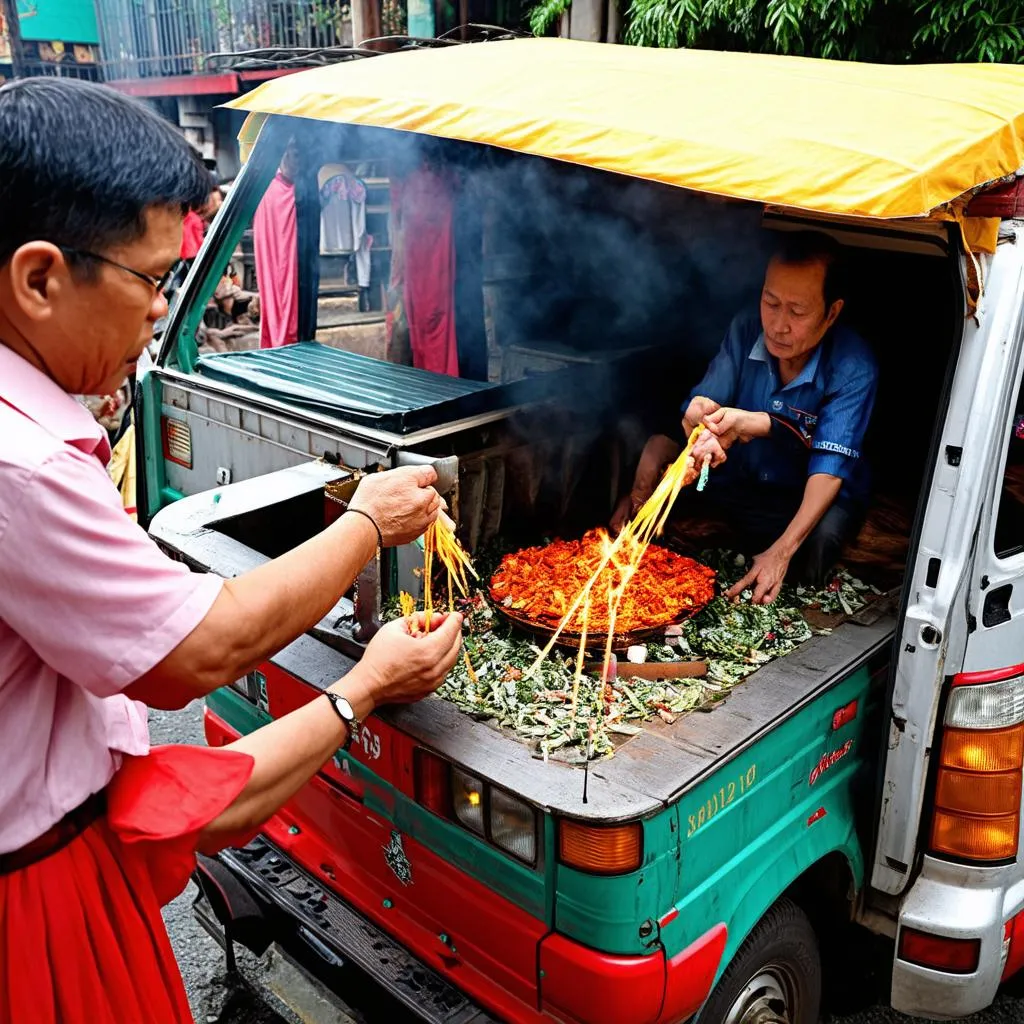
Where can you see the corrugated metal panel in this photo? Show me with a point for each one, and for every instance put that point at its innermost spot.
(352, 386)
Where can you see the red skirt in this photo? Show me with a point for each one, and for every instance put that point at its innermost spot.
(82, 940)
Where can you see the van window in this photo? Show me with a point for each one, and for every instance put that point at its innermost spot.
(1009, 533)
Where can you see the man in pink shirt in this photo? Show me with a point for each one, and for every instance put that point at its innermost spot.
(96, 830)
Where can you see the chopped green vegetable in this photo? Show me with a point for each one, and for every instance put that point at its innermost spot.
(734, 639)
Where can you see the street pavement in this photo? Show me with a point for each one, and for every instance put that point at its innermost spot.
(856, 996)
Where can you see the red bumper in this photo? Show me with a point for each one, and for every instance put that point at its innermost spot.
(595, 988)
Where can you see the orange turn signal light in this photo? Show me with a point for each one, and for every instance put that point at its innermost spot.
(974, 793)
(989, 838)
(978, 793)
(984, 750)
(955, 956)
(601, 850)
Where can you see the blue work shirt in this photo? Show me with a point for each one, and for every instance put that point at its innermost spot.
(818, 419)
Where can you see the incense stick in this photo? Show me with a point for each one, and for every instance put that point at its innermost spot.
(636, 537)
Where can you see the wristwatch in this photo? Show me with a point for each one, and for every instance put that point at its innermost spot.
(346, 713)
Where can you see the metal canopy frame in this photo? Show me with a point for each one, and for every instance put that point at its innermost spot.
(285, 58)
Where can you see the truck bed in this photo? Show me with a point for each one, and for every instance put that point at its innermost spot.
(647, 771)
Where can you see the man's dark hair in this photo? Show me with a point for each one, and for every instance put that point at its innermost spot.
(80, 163)
(799, 248)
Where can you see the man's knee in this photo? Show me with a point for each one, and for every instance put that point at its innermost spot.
(823, 548)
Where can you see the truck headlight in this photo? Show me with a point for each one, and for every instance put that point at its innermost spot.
(468, 800)
(513, 826)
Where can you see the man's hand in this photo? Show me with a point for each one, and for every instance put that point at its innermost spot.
(399, 668)
(401, 501)
(709, 447)
(697, 411)
(766, 576)
(731, 425)
(658, 454)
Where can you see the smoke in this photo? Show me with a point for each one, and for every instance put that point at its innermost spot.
(621, 286)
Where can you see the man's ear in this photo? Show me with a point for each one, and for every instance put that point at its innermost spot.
(38, 276)
(833, 313)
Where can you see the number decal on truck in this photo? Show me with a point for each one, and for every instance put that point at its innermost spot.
(721, 799)
(371, 743)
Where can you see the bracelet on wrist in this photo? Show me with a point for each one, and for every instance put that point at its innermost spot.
(360, 512)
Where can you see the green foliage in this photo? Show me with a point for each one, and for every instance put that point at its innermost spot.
(892, 31)
(545, 15)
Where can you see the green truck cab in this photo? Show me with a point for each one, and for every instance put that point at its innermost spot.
(700, 869)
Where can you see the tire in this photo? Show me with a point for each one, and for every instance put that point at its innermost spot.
(775, 977)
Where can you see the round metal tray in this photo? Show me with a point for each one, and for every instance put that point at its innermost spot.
(596, 642)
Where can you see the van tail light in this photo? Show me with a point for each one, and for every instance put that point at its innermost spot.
(601, 850)
(954, 956)
(981, 763)
(432, 775)
(177, 438)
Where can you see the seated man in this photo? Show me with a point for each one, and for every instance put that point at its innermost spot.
(786, 402)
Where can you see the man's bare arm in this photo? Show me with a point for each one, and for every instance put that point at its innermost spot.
(258, 613)
(769, 569)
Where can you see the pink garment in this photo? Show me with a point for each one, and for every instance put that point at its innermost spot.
(275, 242)
(192, 231)
(428, 266)
(88, 604)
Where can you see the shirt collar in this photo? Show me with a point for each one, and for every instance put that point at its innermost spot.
(760, 353)
(33, 394)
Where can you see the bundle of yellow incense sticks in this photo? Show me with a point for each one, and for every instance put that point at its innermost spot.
(625, 552)
(440, 541)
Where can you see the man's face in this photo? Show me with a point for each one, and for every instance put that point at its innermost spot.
(87, 330)
(793, 312)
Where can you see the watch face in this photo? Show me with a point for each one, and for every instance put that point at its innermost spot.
(342, 704)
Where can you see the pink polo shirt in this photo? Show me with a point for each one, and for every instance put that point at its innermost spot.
(88, 604)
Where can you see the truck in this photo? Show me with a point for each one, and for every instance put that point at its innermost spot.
(605, 211)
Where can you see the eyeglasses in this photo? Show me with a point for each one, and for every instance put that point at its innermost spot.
(158, 284)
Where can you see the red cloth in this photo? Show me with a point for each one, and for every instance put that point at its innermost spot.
(192, 231)
(428, 264)
(81, 936)
(275, 245)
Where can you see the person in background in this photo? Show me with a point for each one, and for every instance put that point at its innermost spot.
(195, 223)
(97, 829)
(786, 403)
(212, 207)
(192, 231)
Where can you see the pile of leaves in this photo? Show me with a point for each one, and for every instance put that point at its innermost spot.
(735, 639)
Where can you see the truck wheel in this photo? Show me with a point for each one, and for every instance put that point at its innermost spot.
(775, 978)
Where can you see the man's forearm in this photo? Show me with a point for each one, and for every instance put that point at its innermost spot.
(819, 493)
(259, 613)
(287, 753)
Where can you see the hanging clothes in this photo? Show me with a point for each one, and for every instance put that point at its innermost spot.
(426, 200)
(275, 244)
(343, 218)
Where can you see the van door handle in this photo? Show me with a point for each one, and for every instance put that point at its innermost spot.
(996, 609)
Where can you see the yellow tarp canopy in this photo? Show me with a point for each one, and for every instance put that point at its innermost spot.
(863, 139)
